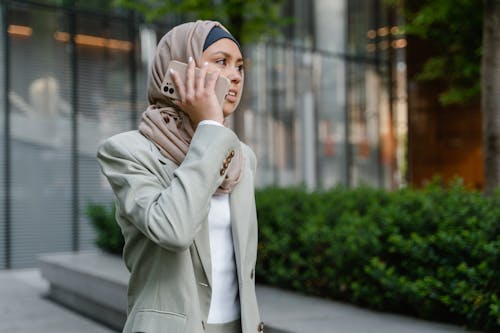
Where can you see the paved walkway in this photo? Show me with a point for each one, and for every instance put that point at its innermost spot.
(304, 314)
(24, 309)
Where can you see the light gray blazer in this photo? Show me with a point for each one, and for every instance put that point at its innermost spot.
(162, 210)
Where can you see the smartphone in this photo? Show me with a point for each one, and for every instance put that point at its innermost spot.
(169, 89)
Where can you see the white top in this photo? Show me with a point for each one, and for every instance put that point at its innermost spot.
(225, 302)
(209, 122)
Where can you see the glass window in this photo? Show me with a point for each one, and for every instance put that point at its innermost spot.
(105, 104)
(3, 161)
(369, 89)
(40, 95)
(332, 156)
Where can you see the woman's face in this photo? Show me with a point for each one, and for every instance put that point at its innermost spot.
(225, 55)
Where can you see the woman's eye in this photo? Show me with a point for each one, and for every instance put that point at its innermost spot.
(240, 68)
(221, 62)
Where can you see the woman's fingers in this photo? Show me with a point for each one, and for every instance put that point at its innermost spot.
(190, 79)
(211, 80)
(181, 89)
(197, 92)
(200, 80)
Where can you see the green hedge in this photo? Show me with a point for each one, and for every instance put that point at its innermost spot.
(433, 253)
(109, 235)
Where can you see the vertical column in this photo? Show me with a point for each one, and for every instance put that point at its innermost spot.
(6, 141)
(309, 137)
(377, 9)
(272, 57)
(74, 131)
(133, 69)
(308, 104)
(330, 22)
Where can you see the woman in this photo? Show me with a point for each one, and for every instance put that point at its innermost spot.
(185, 200)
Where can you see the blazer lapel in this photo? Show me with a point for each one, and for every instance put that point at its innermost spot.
(201, 239)
(202, 243)
(239, 212)
(238, 209)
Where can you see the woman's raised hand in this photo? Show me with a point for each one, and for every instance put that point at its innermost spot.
(197, 94)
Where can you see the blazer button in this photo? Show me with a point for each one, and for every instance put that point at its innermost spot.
(203, 324)
(225, 165)
(251, 274)
(222, 171)
(231, 153)
(261, 327)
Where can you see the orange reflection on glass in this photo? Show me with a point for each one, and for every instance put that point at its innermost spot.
(382, 32)
(95, 41)
(399, 43)
(20, 30)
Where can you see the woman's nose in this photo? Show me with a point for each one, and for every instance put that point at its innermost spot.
(234, 75)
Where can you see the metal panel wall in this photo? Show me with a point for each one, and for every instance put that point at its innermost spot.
(4, 242)
(105, 107)
(54, 170)
(41, 135)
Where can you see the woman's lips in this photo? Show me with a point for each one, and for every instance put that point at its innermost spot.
(232, 96)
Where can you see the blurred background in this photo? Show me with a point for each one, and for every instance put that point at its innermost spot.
(332, 97)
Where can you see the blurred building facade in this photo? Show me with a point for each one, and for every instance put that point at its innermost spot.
(444, 141)
(324, 105)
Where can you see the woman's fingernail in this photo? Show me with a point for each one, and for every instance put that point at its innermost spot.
(205, 63)
(171, 70)
(190, 59)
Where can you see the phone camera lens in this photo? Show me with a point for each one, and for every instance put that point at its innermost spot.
(171, 90)
(165, 89)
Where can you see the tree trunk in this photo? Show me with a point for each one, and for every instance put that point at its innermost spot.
(490, 82)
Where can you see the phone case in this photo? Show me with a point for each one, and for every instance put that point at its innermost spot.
(169, 89)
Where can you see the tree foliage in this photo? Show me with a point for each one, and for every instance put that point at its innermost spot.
(248, 20)
(454, 29)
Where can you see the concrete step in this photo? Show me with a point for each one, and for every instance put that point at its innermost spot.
(92, 283)
(25, 309)
(95, 284)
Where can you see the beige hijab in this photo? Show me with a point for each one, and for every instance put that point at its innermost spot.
(165, 124)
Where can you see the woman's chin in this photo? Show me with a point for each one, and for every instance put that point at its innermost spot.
(228, 109)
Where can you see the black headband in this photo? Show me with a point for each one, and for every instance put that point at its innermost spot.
(218, 33)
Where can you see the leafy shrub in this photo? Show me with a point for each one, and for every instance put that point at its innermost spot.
(433, 253)
(109, 235)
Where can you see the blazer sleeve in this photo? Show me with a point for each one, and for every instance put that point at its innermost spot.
(252, 159)
(169, 216)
